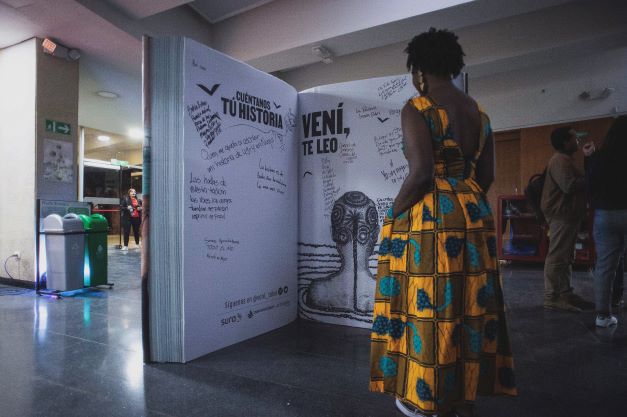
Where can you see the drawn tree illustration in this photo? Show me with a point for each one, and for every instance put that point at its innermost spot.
(355, 229)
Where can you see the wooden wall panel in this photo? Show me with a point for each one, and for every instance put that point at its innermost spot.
(535, 151)
(507, 177)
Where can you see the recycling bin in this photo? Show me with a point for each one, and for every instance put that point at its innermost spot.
(96, 231)
(65, 252)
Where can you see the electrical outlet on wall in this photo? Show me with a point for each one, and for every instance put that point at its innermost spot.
(17, 254)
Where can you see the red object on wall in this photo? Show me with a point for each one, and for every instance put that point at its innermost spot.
(519, 235)
(521, 238)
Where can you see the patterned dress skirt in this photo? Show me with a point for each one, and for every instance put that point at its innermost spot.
(439, 335)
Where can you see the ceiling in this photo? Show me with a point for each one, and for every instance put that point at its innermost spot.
(119, 142)
(212, 10)
(277, 36)
(217, 10)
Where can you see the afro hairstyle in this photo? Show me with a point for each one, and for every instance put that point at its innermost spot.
(435, 52)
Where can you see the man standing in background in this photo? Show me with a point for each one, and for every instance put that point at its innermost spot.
(563, 205)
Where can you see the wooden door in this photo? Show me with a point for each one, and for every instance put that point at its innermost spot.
(507, 177)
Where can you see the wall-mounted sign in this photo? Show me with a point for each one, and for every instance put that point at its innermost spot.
(119, 162)
(58, 161)
(47, 207)
(58, 127)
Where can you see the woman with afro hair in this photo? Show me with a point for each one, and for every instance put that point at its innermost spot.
(439, 333)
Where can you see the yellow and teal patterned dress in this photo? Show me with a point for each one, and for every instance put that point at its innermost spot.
(439, 335)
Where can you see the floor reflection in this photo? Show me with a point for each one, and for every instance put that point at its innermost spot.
(82, 355)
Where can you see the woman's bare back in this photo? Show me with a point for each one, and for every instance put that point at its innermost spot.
(464, 118)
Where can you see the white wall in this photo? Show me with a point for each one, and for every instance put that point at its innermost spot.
(513, 99)
(110, 115)
(564, 50)
(35, 87)
(284, 24)
(17, 146)
(180, 21)
(121, 114)
(549, 94)
(376, 62)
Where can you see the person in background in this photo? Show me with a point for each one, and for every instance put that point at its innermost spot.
(563, 204)
(131, 207)
(607, 186)
(618, 288)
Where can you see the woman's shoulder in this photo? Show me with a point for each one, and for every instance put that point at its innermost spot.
(474, 106)
(420, 103)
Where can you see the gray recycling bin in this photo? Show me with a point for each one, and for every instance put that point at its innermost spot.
(65, 252)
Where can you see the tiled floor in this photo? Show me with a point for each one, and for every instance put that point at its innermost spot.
(81, 356)
(117, 240)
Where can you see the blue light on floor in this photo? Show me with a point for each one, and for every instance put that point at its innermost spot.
(43, 264)
(87, 311)
(87, 270)
(73, 293)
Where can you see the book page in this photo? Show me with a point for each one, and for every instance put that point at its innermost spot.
(393, 90)
(240, 202)
(351, 167)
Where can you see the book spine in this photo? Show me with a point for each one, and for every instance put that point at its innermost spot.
(165, 283)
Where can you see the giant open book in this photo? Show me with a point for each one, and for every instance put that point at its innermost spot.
(266, 202)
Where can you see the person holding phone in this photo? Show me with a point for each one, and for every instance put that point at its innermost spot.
(131, 207)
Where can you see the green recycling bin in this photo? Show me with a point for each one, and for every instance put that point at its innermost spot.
(97, 229)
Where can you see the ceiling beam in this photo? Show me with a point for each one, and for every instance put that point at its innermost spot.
(139, 9)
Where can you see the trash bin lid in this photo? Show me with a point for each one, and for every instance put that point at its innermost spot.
(72, 223)
(53, 223)
(95, 222)
(68, 223)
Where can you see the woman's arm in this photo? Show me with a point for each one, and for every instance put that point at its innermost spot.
(419, 154)
(486, 165)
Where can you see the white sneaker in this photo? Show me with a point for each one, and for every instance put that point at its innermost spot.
(408, 412)
(124, 247)
(606, 321)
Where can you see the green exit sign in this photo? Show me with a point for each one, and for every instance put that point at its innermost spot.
(119, 162)
(58, 127)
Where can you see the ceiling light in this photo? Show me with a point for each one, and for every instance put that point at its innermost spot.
(103, 138)
(136, 133)
(107, 94)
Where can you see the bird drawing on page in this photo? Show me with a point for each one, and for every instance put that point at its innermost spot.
(209, 91)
